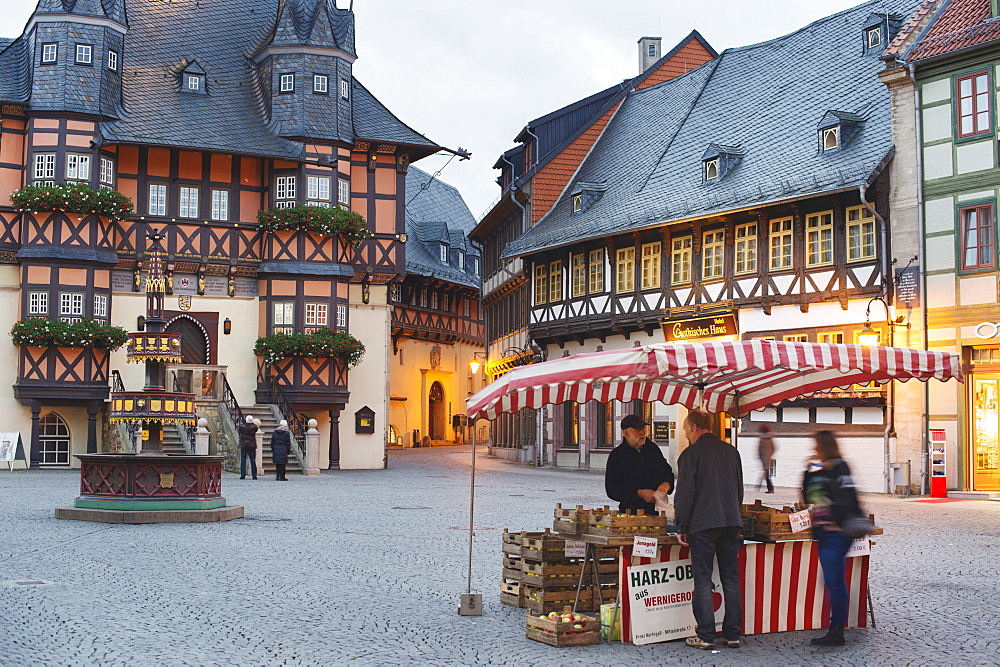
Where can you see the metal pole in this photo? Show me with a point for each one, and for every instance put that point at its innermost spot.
(472, 504)
(736, 423)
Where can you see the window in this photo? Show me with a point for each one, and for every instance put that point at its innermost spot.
(579, 275)
(318, 190)
(53, 440)
(287, 83)
(651, 50)
(596, 271)
(830, 337)
(571, 425)
(283, 317)
(651, 265)
(71, 306)
(84, 54)
(746, 248)
(112, 60)
(555, 281)
(445, 302)
(320, 83)
(443, 253)
(434, 301)
(796, 338)
(345, 89)
(100, 305)
(284, 192)
(157, 200)
(341, 315)
(344, 192)
(220, 204)
(625, 270)
(317, 316)
(819, 239)
(712, 254)
(831, 138)
(45, 168)
(49, 53)
(605, 418)
(977, 237)
(466, 307)
(423, 297)
(541, 284)
(107, 172)
(461, 260)
(711, 169)
(38, 303)
(781, 243)
(189, 202)
(577, 203)
(860, 234)
(874, 37)
(680, 260)
(973, 104)
(77, 167)
(193, 82)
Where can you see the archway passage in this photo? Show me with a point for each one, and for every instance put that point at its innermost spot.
(435, 412)
(194, 347)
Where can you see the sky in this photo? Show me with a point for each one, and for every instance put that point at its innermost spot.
(472, 73)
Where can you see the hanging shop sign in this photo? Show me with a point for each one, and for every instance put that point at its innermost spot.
(987, 330)
(701, 327)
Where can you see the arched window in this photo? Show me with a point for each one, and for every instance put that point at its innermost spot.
(53, 440)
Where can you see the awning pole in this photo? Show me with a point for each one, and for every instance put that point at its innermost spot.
(472, 504)
(736, 423)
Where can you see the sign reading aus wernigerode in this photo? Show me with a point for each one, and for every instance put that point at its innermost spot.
(701, 327)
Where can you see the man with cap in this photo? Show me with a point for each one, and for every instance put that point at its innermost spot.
(636, 469)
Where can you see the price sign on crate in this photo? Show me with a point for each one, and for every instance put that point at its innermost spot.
(800, 521)
(644, 547)
(575, 549)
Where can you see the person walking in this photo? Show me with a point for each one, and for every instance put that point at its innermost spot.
(248, 447)
(707, 504)
(281, 442)
(636, 469)
(765, 450)
(828, 487)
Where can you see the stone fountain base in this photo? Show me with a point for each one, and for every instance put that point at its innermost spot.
(150, 488)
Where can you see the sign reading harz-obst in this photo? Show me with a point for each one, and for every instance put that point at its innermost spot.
(702, 327)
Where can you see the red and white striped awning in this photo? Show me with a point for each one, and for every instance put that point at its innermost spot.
(731, 377)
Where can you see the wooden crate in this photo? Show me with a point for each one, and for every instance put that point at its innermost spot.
(511, 567)
(563, 633)
(772, 524)
(620, 528)
(544, 600)
(549, 574)
(512, 593)
(572, 521)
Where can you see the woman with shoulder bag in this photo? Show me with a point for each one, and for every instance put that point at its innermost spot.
(836, 521)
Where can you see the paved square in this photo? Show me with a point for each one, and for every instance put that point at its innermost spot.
(367, 567)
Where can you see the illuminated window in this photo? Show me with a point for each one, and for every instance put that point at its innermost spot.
(712, 253)
(680, 260)
(860, 234)
(625, 270)
(819, 239)
(596, 277)
(831, 337)
(541, 284)
(780, 241)
(555, 281)
(746, 248)
(796, 338)
(579, 271)
(651, 253)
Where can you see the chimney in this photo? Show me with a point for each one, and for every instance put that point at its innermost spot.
(649, 52)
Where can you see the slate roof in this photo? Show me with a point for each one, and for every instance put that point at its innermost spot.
(435, 214)
(766, 98)
(960, 25)
(221, 37)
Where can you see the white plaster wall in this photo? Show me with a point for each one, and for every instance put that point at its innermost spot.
(937, 123)
(977, 289)
(941, 290)
(936, 91)
(975, 156)
(941, 253)
(975, 196)
(368, 381)
(939, 215)
(793, 453)
(13, 415)
(791, 317)
(937, 161)
(941, 334)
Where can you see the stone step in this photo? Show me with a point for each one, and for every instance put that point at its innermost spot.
(975, 495)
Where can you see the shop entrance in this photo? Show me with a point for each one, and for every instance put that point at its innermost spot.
(986, 433)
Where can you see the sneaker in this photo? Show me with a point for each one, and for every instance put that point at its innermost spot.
(698, 642)
(731, 643)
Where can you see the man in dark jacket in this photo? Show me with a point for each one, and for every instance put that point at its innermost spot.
(707, 503)
(636, 469)
(248, 447)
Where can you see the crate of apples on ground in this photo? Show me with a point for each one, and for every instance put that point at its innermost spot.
(563, 629)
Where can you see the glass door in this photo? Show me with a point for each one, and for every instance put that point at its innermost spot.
(986, 434)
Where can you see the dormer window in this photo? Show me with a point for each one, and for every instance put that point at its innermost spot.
(287, 83)
(345, 89)
(586, 195)
(831, 138)
(874, 37)
(461, 260)
(49, 53)
(651, 50)
(577, 203)
(112, 60)
(444, 253)
(320, 83)
(877, 31)
(194, 83)
(84, 54)
(711, 169)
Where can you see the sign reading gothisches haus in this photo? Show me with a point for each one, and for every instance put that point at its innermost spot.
(702, 327)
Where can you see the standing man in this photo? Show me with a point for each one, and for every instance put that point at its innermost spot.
(636, 469)
(707, 502)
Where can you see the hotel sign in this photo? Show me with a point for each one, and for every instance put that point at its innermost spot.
(702, 327)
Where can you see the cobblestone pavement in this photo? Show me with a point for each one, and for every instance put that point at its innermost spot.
(367, 566)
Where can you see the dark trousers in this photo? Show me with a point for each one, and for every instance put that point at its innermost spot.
(833, 546)
(707, 546)
(248, 454)
(279, 470)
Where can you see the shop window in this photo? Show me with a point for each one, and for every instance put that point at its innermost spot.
(605, 424)
(571, 425)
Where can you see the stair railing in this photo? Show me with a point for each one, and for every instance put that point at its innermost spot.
(297, 423)
(232, 406)
(116, 381)
(187, 431)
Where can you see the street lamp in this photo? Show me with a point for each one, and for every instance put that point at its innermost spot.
(471, 604)
(869, 336)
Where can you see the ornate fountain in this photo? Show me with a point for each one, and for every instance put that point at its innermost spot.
(150, 486)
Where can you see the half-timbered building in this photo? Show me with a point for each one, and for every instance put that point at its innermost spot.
(533, 175)
(745, 199)
(203, 114)
(437, 322)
